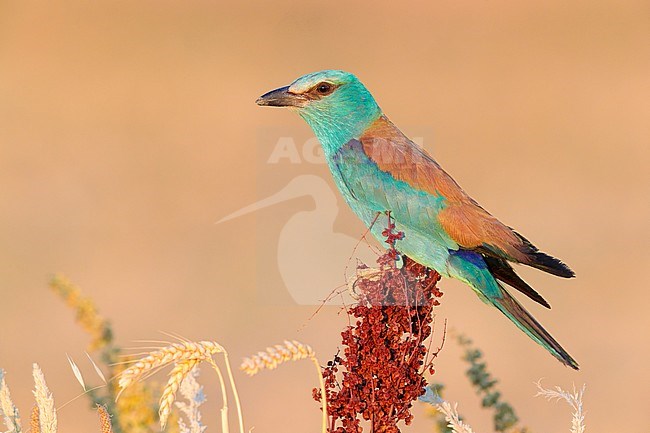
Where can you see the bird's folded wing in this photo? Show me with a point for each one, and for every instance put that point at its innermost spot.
(378, 191)
(388, 169)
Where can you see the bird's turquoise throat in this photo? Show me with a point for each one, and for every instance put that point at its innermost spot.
(342, 119)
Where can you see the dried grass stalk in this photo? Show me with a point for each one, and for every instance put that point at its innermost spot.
(452, 417)
(97, 369)
(45, 402)
(7, 408)
(76, 372)
(574, 399)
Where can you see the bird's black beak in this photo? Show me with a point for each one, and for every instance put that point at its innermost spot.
(281, 98)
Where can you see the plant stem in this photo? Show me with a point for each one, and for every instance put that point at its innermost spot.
(224, 408)
(235, 393)
(323, 392)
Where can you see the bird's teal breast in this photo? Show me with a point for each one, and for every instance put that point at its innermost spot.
(370, 193)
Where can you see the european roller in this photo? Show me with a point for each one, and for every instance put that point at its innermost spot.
(378, 170)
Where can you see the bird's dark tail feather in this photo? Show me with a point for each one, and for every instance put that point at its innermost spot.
(502, 271)
(543, 261)
(527, 323)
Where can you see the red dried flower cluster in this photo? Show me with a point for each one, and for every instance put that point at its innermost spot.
(392, 236)
(381, 370)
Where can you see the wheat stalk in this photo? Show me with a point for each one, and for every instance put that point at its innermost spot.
(45, 402)
(281, 353)
(233, 387)
(176, 376)
(174, 353)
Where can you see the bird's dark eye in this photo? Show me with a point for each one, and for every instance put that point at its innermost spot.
(324, 88)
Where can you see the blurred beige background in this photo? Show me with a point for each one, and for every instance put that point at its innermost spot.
(127, 128)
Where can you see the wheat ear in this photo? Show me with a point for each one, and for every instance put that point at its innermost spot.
(176, 376)
(281, 353)
(175, 353)
(276, 355)
(184, 355)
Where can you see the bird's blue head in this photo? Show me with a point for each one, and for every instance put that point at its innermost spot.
(336, 105)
